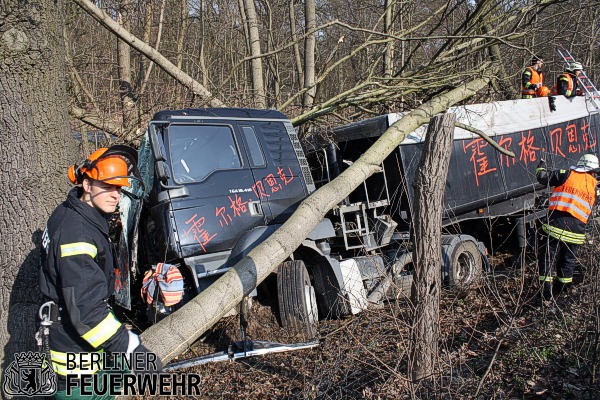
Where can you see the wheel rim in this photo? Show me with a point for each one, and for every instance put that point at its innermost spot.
(311, 303)
(465, 266)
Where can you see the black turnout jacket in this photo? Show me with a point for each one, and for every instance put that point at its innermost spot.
(78, 274)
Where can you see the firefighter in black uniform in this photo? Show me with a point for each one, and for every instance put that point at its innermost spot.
(567, 83)
(532, 78)
(78, 266)
(570, 206)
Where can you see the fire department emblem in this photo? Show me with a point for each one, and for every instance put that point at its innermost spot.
(29, 375)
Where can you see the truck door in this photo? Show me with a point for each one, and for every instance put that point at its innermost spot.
(207, 158)
(279, 182)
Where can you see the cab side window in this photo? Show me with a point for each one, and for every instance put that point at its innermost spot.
(257, 158)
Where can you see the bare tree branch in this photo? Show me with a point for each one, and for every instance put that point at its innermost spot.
(167, 66)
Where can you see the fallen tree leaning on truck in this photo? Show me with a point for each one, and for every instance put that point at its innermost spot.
(174, 334)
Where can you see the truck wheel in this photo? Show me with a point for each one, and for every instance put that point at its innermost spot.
(297, 300)
(402, 273)
(466, 265)
(331, 301)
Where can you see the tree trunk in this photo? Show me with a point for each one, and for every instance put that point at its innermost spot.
(126, 95)
(184, 11)
(257, 68)
(309, 54)
(201, 55)
(175, 333)
(430, 183)
(297, 59)
(36, 149)
(388, 58)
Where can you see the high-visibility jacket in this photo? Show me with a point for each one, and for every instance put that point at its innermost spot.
(576, 196)
(567, 85)
(530, 77)
(78, 274)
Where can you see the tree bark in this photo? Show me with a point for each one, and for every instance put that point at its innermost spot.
(175, 333)
(430, 184)
(388, 58)
(183, 15)
(310, 22)
(297, 59)
(258, 84)
(36, 149)
(128, 100)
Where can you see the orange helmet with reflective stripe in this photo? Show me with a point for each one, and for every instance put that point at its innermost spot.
(109, 165)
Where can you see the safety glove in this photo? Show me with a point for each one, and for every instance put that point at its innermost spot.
(142, 359)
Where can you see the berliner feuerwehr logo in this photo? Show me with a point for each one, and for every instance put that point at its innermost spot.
(29, 375)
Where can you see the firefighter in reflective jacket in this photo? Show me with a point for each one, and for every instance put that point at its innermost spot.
(567, 83)
(78, 266)
(570, 206)
(532, 78)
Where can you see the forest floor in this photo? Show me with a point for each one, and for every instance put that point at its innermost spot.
(498, 341)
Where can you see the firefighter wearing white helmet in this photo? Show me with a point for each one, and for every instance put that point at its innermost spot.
(567, 83)
(571, 202)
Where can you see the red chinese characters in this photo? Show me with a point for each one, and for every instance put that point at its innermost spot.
(273, 184)
(283, 177)
(556, 141)
(224, 218)
(259, 190)
(589, 142)
(506, 143)
(201, 235)
(236, 205)
(481, 165)
(527, 149)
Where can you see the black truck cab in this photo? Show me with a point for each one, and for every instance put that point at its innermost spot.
(223, 179)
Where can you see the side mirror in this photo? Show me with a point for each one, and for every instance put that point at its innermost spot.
(160, 166)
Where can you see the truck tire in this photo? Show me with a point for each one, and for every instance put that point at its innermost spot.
(466, 265)
(402, 273)
(297, 300)
(331, 301)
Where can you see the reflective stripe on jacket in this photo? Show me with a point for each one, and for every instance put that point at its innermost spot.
(535, 78)
(576, 196)
(568, 78)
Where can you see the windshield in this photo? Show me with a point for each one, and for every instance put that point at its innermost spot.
(198, 150)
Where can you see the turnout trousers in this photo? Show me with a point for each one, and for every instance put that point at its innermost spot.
(556, 262)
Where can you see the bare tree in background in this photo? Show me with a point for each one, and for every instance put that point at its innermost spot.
(256, 62)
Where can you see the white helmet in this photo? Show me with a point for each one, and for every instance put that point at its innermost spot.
(588, 162)
(575, 66)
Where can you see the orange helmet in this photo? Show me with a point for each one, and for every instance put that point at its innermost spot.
(542, 91)
(109, 165)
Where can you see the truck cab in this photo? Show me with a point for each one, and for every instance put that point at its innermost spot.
(223, 179)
